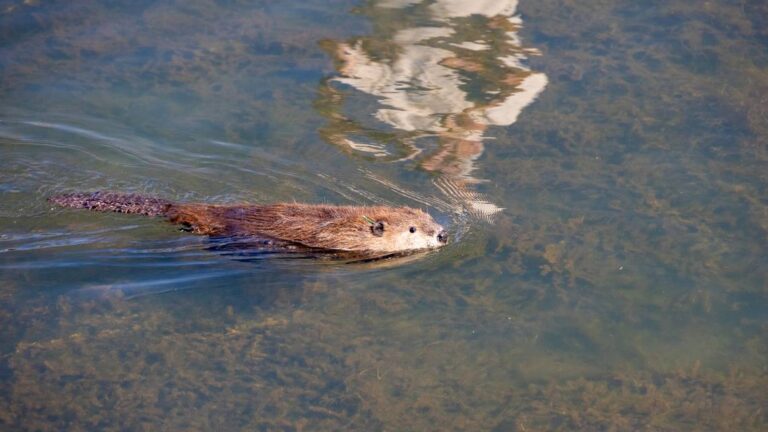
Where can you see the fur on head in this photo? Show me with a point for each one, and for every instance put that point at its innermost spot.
(375, 229)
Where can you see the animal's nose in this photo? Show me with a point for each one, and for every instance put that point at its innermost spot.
(442, 237)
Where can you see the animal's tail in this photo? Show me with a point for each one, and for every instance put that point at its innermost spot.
(114, 202)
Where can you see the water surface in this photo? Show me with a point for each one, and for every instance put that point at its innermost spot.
(602, 166)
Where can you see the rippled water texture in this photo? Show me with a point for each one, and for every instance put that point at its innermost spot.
(602, 167)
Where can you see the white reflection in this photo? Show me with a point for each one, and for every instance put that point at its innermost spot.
(451, 77)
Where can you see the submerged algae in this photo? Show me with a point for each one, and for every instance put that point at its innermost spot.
(135, 365)
(623, 287)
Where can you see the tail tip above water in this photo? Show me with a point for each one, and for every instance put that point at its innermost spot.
(112, 202)
(73, 200)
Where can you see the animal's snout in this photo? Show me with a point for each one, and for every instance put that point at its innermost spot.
(442, 236)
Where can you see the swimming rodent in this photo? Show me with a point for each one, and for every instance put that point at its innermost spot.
(378, 229)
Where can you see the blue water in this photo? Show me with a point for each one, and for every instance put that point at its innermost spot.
(602, 168)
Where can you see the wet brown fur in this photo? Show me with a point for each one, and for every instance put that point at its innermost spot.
(347, 228)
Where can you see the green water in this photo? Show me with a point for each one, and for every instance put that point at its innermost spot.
(602, 167)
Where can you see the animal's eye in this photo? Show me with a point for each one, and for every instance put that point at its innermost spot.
(378, 229)
(412, 230)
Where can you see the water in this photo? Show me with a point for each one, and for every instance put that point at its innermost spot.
(602, 167)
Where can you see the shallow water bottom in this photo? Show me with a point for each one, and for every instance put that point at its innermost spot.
(622, 286)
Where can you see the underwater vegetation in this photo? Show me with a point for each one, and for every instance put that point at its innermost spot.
(621, 284)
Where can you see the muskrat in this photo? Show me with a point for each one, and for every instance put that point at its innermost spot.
(377, 229)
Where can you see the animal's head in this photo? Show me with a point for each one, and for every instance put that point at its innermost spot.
(351, 228)
(401, 229)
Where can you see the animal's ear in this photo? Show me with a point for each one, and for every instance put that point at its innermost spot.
(377, 228)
